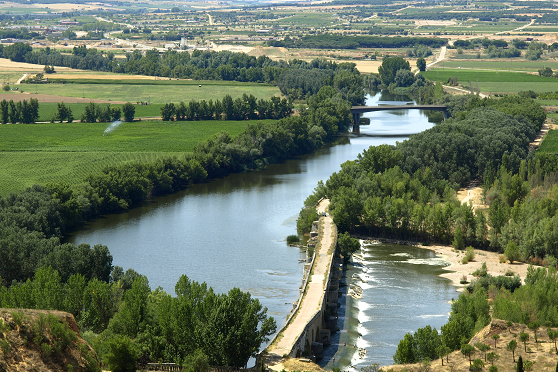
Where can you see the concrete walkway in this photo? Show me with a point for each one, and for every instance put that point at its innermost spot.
(312, 300)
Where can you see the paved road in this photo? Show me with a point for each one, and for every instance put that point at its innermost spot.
(315, 289)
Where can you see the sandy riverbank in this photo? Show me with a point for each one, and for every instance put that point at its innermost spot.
(456, 270)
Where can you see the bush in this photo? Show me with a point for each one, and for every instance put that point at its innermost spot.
(469, 255)
(512, 252)
(123, 354)
(292, 239)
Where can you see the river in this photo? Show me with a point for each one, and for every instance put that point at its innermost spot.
(231, 232)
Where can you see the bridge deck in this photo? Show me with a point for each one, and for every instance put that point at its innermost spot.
(312, 301)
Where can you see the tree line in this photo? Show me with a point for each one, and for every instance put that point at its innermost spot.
(328, 41)
(19, 112)
(123, 315)
(119, 309)
(246, 107)
(408, 191)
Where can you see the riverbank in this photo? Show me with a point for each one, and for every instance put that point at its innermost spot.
(456, 269)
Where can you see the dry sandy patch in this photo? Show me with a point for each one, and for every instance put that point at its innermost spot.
(457, 270)
(232, 48)
(434, 23)
(367, 67)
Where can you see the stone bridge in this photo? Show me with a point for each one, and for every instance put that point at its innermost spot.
(358, 110)
(314, 317)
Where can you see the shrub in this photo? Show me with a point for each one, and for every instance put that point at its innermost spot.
(512, 252)
(469, 255)
(6, 347)
(293, 239)
(123, 354)
(482, 272)
(17, 316)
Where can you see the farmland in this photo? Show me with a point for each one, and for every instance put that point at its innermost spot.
(494, 81)
(154, 92)
(40, 153)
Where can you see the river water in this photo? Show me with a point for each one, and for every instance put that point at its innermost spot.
(231, 232)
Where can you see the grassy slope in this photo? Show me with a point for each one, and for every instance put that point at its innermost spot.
(39, 153)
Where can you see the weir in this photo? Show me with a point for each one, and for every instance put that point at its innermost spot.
(314, 317)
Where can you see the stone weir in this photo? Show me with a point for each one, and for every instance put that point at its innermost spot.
(314, 317)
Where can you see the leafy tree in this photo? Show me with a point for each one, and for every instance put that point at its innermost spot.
(389, 68)
(512, 252)
(495, 337)
(123, 354)
(4, 109)
(421, 64)
(17, 51)
(468, 351)
(347, 245)
(492, 357)
(196, 362)
(483, 348)
(520, 367)
(512, 345)
(524, 337)
(405, 350)
(167, 111)
(236, 327)
(552, 336)
(477, 365)
(534, 326)
(129, 111)
(443, 351)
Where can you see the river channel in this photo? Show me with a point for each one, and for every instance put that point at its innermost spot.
(231, 232)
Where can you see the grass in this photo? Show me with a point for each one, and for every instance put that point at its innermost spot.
(154, 93)
(443, 75)
(40, 153)
(550, 142)
(501, 65)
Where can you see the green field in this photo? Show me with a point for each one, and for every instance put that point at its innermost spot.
(500, 65)
(47, 109)
(550, 143)
(39, 153)
(495, 81)
(443, 75)
(155, 91)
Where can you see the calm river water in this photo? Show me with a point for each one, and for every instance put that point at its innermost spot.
(231, 232)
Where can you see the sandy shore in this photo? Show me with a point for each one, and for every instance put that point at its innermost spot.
(456, 270)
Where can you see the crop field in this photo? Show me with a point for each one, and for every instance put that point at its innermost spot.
(39, 153)
(47, 109)
(513, 87)
(155, 93)
(550, 143)
(309, 19)
(495, 81)
(443, 75)
(505, 64)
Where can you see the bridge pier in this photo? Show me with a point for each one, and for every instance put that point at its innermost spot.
(356, 120)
